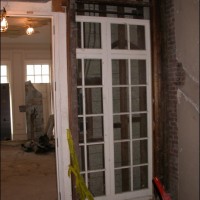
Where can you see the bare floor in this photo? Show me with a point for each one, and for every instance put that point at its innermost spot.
(27, 176)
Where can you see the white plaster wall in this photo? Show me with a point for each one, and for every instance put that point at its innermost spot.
(16, 55)
(187, 44)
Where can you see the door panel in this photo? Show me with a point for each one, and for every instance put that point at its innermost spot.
(5, 112)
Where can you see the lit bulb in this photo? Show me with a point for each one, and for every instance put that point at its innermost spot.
(29, 31)
(4, 24)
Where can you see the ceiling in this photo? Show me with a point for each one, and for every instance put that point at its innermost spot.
(35, 1)
(16, 32)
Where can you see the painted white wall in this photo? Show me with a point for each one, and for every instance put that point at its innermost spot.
(187, 45)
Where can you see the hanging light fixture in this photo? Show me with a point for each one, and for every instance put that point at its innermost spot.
(29, 30)
(4, 23)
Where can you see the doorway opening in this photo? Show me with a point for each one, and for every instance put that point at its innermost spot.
(60, 94)
(5, 103)
(30, 58)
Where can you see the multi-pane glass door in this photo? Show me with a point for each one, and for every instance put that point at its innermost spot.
(114, 106)
(91, 123)
(130, 124)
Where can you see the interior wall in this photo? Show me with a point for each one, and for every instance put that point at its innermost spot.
(16, 55)
(187, 52)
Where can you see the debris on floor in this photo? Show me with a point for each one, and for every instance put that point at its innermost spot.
(43, 145)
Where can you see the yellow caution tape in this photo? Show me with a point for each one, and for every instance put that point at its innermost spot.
(81, 187)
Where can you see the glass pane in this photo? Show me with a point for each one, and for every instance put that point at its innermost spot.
(122, 154)
(81, 129)
(45, 79)
(120, 100)
(31, 78)
(4, 80)
(93, 72)
(121, 127)
(80, 101)
(94, 126)
(139, 125)
(138, 98)
(38, 79)
(137, 37)
(122, 180)
(140, 177)
(111, 9)
(78, 35)
(93, 100)
(97, 183)
(95, 157)
(81, 158)
(38, 69)
(119, 36)
(79, 72)
(92, 35)
(83, 175)
(138, 72)
(29, 70)
(120, 72)
(3, 70)
(45, 69)
(140, 152)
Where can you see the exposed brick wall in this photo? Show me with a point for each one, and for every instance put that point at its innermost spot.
(172, 77)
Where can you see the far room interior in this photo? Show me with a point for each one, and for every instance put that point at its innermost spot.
(26, 65)
(27, 108)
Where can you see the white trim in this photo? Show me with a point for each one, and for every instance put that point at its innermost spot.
(38, 62)
(61, 105)
(111, 20)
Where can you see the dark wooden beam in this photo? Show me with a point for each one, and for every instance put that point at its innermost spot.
(72, 80)
(59, 5)
(156, 86)
(102, 9)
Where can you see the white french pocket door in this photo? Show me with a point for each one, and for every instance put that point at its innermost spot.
(114, 106)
